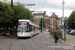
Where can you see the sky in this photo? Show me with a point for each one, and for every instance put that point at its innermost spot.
(50, 6)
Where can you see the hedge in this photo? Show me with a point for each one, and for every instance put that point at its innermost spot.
(59, 33)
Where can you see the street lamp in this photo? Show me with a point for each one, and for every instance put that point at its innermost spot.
(49, 23)
(27, 4)
(21, 4)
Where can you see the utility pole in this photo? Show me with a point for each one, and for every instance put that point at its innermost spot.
(41, 24)
(21, 4)
(49, 23)
(12, 4)
(63, 20)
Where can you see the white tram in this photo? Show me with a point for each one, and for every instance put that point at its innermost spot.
(27, 28)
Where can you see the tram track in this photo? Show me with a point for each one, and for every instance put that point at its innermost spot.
(21, 45)
(11, 44)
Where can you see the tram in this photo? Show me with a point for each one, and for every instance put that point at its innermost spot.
(27, 28)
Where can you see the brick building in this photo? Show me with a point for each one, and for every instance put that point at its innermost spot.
(55, 21)
(47, 21)
(42, 14)
(38, 15)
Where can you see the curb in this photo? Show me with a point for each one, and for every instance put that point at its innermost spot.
(60, 41)
(65, 43)
(7, 37)
(2, 36)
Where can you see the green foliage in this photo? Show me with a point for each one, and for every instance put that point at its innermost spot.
(52, 33)
(9, 15)
(58, 32)
(5, 13)
(42, 21)
(21, 12)
(71, 20)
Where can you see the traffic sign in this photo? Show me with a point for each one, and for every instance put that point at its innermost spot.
(62, 23)
(62, 27)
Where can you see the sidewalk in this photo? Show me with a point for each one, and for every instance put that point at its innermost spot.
(49, 41)
(69, 40)
(2, 37)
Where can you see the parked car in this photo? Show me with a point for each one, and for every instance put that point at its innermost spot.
(68, 31)
(72, 32)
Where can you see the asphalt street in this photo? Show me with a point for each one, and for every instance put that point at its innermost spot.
(72, 37)
(42, 41)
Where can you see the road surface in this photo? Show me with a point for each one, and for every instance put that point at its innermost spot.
(42, 41)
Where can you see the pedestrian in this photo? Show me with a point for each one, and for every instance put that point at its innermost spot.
(55, 36)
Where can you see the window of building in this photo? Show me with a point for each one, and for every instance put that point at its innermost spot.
(38, 16)
(38, 20)
(46, 24)
(50, 21)
(49, 25)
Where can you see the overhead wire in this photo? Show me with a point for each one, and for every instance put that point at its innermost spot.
(33, 8)
(43, 5)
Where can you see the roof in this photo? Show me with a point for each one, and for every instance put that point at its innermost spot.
(46, 15)
(30, 22)
(54, 15)
(24, 20)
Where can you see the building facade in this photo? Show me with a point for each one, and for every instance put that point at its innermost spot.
(38, 15)
(56, 20)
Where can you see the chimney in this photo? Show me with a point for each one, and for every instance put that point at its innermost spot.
(45, 12)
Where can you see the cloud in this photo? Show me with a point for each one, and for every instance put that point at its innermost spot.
(56, 4)
(51, 5)
(58, 12)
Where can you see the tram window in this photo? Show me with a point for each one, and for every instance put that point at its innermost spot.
(30, 28)
(22, 23)
(34, 28)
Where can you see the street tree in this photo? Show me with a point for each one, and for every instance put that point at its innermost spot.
(6, 13)
(42, 23)
(9, 16)
(21, 12)
(71, 20)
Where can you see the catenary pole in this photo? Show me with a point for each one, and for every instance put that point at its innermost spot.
(63, 20)
(12, 4)
(49, 23)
